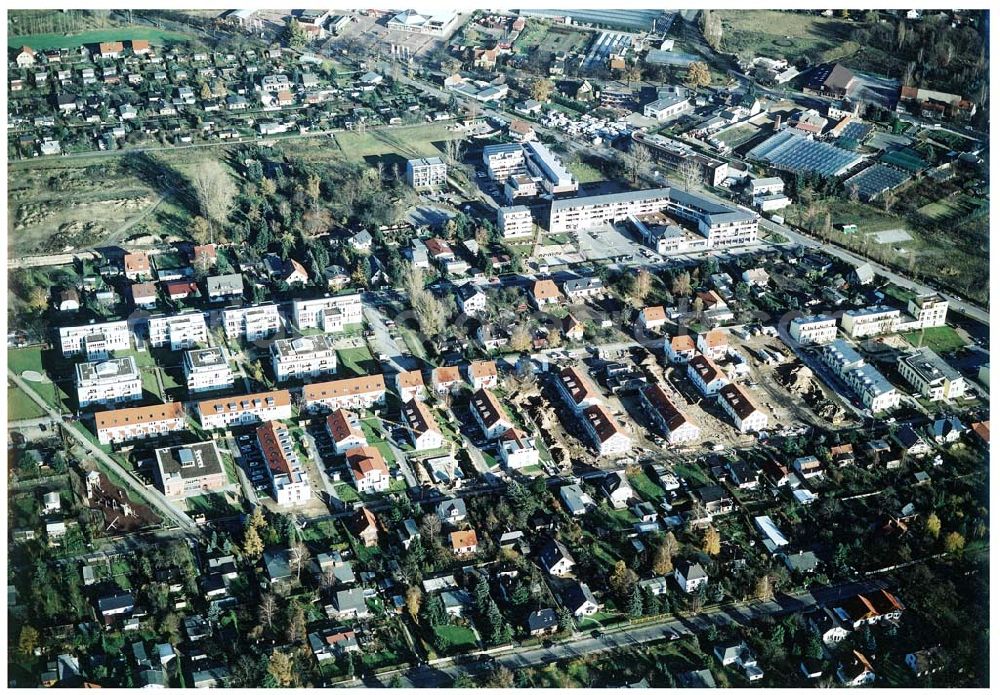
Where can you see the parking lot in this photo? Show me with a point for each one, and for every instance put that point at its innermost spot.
(373, 32)
(613, 243)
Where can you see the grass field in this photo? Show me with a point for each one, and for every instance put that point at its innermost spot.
(941, 339)
(23, 359)
(406, 142)
(44, 42)
(358, 361)
(455, 637)
(957, 207)
(585, 173)
(546, 37)
(734, 137)
(788, 35)
(20, 406)
(646, 487)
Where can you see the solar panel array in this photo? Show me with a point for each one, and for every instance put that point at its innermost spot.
(798, 154)
(875, 180)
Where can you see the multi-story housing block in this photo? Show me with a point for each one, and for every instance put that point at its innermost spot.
(111, 381)
(305, 356)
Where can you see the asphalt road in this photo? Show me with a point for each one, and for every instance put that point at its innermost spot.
(584, 643)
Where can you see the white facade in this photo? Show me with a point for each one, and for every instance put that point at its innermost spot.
(304, 356)
(251, 322)
(504, 161)
(875, 392)
(517, 450)
(746, 415)
(111, 381)
(207, 370)
(126, 424)
(245, 410)
(813, 330)
(933, 378)
(876, 320)
(929, 310)
(115, 336)
(180, 332)
(515, 222)
(354, 392)
(423, 174)
(315, 313)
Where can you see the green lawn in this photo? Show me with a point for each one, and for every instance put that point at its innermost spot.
(789, 35)
(46, 41)
(941, 339)
(212, 505)
(646, 487)
(346, 493)
(358, 361)
(585, 173)
(20, 406)
(24, 359)
(455, 637)
(404, 141)
(150, 384)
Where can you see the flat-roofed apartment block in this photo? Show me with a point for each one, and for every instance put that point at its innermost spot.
(874, 390)
(745, 413)
(305, 356)
(723, 225)
(543, 163)
(675, 154)
(873, 320)
(104, 339)
(672, 423)
(666, 235)
(181, 332)
(145, 422)
(608, 437)
(207, 370)
(515, 221)
(517, 449)
(928, 311)
(189, 470)
(289, 482)
(111, 381)
(504, 161)
(250, 409)
(594, 211)
(426, 174)
(356, 392)
(490, 415)
(421, 426)
(841, 357)
(251, 322)
(813, 330)
(933, 378)
(576, 389)
(519, 186)
(330, 314)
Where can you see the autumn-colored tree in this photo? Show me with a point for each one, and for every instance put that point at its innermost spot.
(764, 589)
(663, 557)
(711, 543)
(200, 230)
(520, 339)
(643, 285)
(38, 299)
(280, 668)
(622, 579)
(413, 601)
(541, 89)
(253, 546)
(698, 75)
(933, 525)
(29, 640)
(954, 542)
(681, 286)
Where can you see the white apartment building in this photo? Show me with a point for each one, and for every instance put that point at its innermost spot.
(356, 392)
(426, 174)
(251, 409)
(841, 357)
(706, 375)
(543, 163)
(928, 311)
(368, 470)
(517, 449)
(105, 337)
(873, 320)
(289, 481)
(813, 330)
(874, 390)
(607, 435)
(515, 222)
(504, 161)
(252, 322)
(747, 417)
(305, 356)
(180, 332)
(126, 424)
(207, 370)
(576, 389)
(490, 415)
(931, 376)
(330, 314)
(345, 431)
(723, 225)
(593, 211)
(111, 381)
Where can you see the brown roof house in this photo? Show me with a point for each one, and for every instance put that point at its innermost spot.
(545, 292)
(365, 527)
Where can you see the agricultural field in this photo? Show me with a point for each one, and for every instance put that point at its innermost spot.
(548, 38)
(44, 42)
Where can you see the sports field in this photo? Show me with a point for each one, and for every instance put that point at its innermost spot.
(44, 42)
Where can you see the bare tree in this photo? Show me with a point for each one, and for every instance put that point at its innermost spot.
(298, 557)
(268, 610)
(215, 192)
(454, 151)
(690, 173)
